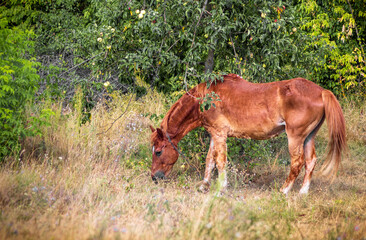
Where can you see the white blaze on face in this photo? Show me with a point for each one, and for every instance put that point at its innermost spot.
(153, 149)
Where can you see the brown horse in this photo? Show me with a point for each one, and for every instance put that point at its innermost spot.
(254, 111)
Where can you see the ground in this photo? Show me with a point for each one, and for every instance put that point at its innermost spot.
(79, 184)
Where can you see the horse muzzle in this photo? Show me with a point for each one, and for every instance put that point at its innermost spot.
(159, 175)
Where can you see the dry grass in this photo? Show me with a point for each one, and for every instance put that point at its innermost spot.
(355, 115)
(76, 184)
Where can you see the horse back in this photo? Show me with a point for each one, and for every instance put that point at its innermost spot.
(260, 110)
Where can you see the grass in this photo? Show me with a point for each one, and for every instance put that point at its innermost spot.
(81, 182)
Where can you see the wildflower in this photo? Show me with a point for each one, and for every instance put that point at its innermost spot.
(100, 39)
(208, 225)
(141, 15)
(113, 30)
(143, 12)
(275, 20)
(137, 11)
(101, 34)
(294, 29)
(263, 15)
(109, 47)
(106, 84)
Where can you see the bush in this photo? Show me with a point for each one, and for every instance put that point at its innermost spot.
(18, 85)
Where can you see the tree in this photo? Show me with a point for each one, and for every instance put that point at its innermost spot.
(337, 30)
(18, 85)
(176, 44)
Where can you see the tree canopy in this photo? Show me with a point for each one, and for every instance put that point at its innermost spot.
(54, 46)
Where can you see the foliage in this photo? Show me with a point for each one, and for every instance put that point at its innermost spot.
(208, 101)
(337, 30)
(18, 84)
(172, 49)
(99, 46)
(174, 44)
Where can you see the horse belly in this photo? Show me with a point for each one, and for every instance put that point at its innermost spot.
(258, 130)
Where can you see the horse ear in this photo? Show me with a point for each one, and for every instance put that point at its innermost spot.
(152, 128)
(160, 133)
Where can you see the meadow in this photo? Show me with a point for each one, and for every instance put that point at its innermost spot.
(83, 181)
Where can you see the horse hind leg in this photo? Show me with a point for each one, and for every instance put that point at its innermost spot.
(296, 149)
(310, 158)
(310, 162)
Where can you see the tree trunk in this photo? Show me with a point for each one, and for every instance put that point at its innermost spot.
(210, 60)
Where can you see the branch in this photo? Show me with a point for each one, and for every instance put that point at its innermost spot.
(358, 36)
(115, 120)
(193, 39)
(195, 28)
(87, 60)
(236, 56)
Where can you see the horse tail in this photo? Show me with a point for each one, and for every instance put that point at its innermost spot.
(337, 134)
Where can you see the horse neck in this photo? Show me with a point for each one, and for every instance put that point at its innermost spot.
(183, 117)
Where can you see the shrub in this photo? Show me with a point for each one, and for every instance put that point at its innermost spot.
(18, 84)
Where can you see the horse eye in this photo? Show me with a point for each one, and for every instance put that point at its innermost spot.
(158, 153)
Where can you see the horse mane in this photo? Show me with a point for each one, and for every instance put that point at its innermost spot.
(232, 77)
(180, 111)
(186, 109)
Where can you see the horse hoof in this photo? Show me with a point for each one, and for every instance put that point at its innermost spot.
(203, 187)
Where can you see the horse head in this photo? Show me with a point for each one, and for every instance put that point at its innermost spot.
(164, 154)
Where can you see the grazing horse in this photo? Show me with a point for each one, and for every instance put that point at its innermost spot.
(254, 111)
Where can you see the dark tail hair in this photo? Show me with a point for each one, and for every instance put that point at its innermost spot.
(337, 134)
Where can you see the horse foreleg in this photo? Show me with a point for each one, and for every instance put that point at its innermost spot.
(296, 150)
(220, 156)
(310, 161)
(210, 165)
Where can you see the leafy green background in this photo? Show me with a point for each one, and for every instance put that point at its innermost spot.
(50, 47)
